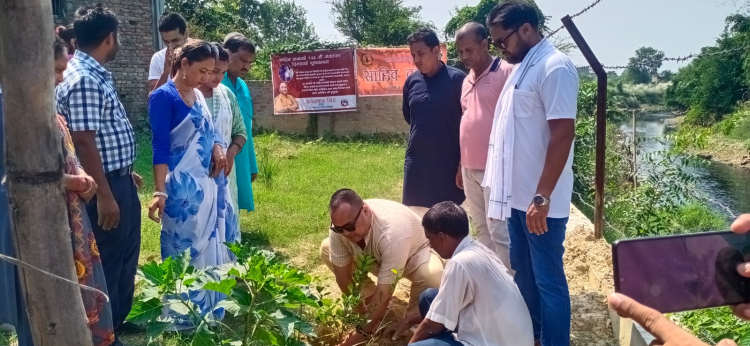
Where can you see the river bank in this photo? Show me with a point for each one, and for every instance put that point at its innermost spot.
(718, 147)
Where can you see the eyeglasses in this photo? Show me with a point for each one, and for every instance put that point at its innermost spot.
(500, 43)
(349, 227)
(210, 49)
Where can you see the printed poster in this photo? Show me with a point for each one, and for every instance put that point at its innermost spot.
(383, 71)
(314, 82)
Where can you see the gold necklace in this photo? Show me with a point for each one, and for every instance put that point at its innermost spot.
(185, 99)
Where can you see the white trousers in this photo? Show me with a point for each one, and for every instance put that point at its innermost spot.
(490, 232)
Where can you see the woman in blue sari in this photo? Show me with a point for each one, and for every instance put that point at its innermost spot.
(191, 198)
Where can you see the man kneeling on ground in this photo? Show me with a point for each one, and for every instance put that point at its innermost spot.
(477, 299)
(390, 232)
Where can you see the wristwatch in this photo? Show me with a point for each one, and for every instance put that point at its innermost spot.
(540, 201)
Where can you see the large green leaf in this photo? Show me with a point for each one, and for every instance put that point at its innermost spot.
(203, 336)
(225, 286)
(744, 340)
(290, 323)
(153, 273)
(155, 328)
(295, 277)
(238, 303)
(144, 311)
(178, 306)
(231, 307)
(267, 337)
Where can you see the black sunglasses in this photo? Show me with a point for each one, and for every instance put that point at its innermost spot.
(349, 227)
(500, 43)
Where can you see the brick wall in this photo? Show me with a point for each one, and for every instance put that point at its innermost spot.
(373, 115)
(130, 68)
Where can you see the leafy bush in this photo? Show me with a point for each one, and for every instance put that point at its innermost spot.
(269, 297)
(650, 94)
(696, 217)
(712, 84)
(714, 325)
(646, 202)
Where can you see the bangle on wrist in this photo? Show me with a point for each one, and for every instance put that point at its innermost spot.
(239, 147)
(161, 194)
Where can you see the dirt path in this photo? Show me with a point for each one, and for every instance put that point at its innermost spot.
(588, 266)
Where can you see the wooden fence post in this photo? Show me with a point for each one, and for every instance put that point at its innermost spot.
(34, 171)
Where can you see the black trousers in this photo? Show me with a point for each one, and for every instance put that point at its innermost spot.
(119, 248)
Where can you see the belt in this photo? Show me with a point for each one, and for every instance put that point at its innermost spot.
(128, 170)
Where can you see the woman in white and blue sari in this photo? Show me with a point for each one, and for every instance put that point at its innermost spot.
(191, 198)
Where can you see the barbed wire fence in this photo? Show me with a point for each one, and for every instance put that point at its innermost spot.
(678, 59)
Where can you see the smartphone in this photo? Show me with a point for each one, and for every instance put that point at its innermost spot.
(682, 272)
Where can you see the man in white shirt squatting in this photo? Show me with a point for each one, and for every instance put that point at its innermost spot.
(390, 232)
(477, 299)
(529, 164)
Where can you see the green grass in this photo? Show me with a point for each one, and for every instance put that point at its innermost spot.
(291, 213)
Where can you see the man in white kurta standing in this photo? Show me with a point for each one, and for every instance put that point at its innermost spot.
(479, 94)
(529, 164)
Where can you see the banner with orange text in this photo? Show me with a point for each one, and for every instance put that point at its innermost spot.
(383, 71)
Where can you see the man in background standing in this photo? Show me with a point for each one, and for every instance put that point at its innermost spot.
(105, 144)
(479, 95)
(529, 166)
(241, 57)
(432, 108)
(174, 33)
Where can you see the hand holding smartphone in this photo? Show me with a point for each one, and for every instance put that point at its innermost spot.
(683, 272)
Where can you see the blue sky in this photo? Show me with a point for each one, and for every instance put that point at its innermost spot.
(614, 28)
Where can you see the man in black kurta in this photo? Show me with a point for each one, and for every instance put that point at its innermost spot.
(432, 107)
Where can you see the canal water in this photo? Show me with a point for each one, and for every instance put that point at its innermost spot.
(728, 185)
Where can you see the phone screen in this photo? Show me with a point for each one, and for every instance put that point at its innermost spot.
(684, 272)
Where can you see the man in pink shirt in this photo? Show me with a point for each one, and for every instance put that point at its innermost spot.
(479, 95)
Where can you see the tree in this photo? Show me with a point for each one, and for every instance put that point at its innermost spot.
(284, 22)
(273, 25)
(479, 14)
(712, 84)
(666, 76)
(270, 22)
(376, 22)
(644, 65)
(211, 20)
(39, 217)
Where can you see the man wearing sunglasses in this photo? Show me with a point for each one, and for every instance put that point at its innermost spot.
(529, 166)
(393, 234)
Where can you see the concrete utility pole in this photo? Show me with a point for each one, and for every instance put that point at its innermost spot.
(34, 171)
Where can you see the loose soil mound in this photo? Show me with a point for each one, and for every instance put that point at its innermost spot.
(588, 266)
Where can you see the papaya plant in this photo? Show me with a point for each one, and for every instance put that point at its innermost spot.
(268, 297)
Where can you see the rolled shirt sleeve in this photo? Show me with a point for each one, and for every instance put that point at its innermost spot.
(455, 293)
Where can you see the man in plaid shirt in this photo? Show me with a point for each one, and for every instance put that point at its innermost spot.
(105, 144)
